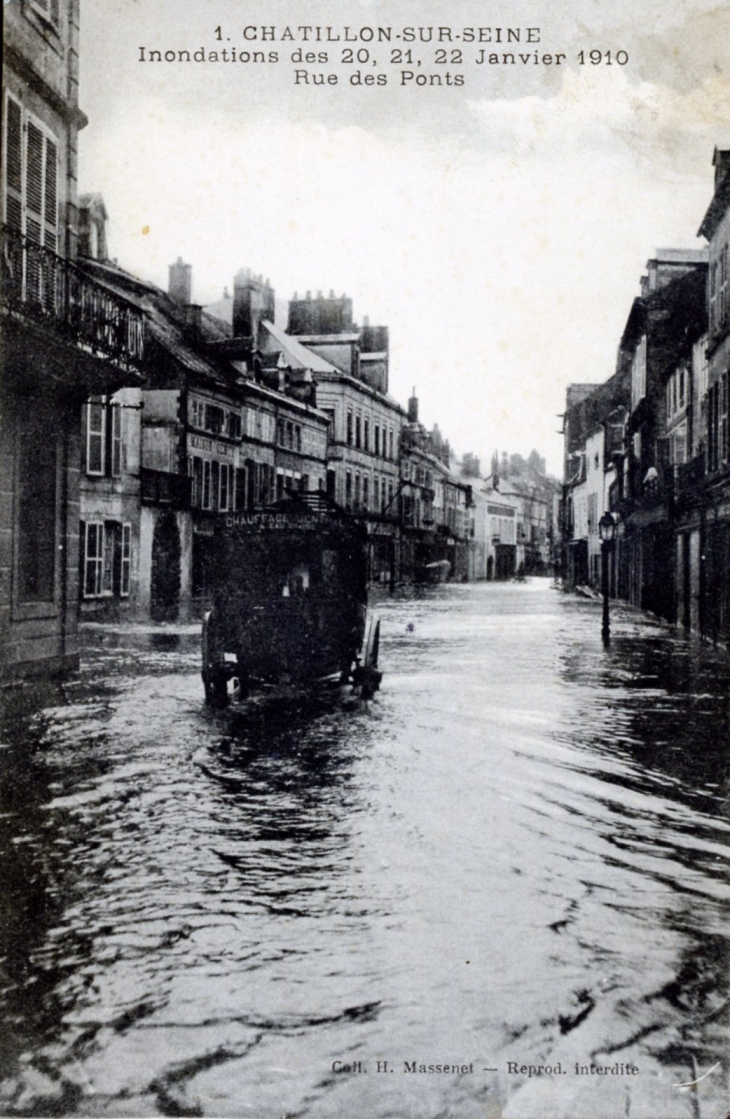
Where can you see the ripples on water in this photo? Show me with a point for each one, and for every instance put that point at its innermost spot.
(515, 853)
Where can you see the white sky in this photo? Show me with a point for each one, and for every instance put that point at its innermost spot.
(499, 229)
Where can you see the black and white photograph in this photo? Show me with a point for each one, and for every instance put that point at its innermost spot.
(365, 559)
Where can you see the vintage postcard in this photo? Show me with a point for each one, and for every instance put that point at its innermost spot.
(365, 559)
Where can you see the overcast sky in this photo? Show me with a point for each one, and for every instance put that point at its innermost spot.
(499, 228)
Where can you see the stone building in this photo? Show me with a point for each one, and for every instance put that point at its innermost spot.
(664, 322)
(225, 420)
(365, 422)
(65, 339)
(706, 594)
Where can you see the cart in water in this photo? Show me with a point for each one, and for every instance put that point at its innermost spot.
(290, 601)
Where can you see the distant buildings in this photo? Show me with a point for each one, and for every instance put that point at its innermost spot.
(365, 423)
(652, 445)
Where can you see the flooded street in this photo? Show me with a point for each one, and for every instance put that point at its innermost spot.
(515, 856)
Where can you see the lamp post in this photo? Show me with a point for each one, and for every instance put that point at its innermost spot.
(607, 531)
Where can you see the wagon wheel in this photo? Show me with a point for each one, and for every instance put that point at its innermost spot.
(215, 679)
(372, 644)
(367, 674)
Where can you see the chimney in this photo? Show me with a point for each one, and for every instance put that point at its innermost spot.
(253, 301)
(181, 281)
(193, 321)
(413, 408)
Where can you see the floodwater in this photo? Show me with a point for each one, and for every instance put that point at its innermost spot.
(514, 856)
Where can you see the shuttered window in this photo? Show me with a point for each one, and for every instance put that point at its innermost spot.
(31, 177)
(93, 559)
(13, 165)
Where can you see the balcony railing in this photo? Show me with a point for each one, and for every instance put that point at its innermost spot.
(46, 287)
(160, 488)
(690, 474)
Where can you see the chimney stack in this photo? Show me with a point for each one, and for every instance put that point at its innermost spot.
(253, 301)
(180, 285)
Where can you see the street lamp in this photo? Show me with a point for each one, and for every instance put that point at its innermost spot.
(606, 531)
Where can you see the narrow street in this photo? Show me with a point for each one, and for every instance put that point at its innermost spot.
(515, 856)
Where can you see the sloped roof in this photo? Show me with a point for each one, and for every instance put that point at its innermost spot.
(164, 319)
(170, 337)
(297, 355)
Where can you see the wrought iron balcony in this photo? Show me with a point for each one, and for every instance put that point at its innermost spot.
(690, 474)
(40, 285)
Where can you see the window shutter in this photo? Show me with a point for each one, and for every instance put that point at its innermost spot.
(34, 183)
(13, 166)
(51, 195)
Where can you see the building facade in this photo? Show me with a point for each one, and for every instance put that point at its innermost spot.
(363, 467)
(64, 339)
(667, 446)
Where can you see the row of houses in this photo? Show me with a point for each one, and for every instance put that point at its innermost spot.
(236, 412)
(652, 445)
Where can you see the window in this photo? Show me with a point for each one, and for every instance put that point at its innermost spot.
(376, 439)
(348, 491)
(126, 561)
(94, 559)
(224, 492)
(357, 491)
(206, 494)
(195, 469)
(719, 289)
(717, 420)
(366, 435)
(391, 453)
(638, 374)
(234, 425)
(214, 419)
(31, 187)
(107, 559)
(104, 442)
(115, 424)
(349, 429)
(215, 471)
(358, 430)
(365, 492)
(297, 437)
(95, 438)
(678, 446)
(107, 567)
